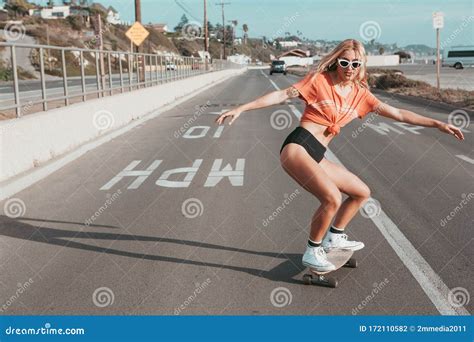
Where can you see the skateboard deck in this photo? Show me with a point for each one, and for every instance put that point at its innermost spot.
(339, 258)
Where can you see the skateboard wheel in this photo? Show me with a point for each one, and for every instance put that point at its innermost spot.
(352, 263)
(307, 279)
(332, 282)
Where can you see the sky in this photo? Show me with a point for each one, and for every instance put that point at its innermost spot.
(388, 21)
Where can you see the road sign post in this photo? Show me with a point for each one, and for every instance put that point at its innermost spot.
(438, 23)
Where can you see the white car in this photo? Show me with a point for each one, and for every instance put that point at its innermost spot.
(171, 66)
(458, 57)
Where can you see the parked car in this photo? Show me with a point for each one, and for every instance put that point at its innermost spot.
(278, 66)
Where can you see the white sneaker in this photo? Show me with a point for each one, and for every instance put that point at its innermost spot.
(339, 241)
(315, 258)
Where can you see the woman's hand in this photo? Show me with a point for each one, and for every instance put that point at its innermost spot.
(450, 129)
(234, 114)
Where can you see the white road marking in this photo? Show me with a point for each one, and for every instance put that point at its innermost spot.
(465, 158)
(271, 81)
(218, 113)
(12, 186)
(434, 287)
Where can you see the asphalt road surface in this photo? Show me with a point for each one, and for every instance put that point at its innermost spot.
(171, 219)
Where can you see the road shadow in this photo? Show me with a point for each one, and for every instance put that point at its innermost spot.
(283, 272)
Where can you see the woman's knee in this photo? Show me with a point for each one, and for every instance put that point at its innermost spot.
(362, 194)
(332, 201)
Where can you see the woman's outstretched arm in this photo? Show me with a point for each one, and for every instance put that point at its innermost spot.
(410, 117)
(267, 100)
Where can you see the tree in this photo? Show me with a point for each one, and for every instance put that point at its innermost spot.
(381, 50)
(210, 27)
(246, 29)
(18, 7)
(184, 20)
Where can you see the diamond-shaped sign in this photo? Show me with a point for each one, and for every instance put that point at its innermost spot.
(137, 33)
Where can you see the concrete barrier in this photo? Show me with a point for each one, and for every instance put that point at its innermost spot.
(384, 60)
(33, 140)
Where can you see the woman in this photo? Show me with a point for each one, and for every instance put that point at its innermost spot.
(335, 93)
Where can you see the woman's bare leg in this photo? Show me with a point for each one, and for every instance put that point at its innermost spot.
(311, 176)
(349, 184)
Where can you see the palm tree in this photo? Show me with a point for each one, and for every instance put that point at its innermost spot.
(246, 29)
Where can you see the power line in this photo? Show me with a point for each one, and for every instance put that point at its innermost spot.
(186, 10)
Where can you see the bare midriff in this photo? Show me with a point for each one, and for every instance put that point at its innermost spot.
(319, 131)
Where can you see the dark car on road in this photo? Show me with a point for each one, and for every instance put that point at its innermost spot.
(278, 66)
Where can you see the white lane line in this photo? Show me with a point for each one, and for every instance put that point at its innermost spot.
(465, 158)
(271, 81)
(434, 287)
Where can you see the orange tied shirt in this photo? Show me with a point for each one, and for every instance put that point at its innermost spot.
(325, 106)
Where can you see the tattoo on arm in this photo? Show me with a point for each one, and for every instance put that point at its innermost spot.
(292, 92)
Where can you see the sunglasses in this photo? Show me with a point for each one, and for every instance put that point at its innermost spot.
(344, 63)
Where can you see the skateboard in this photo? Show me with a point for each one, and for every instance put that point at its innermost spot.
(339, 258)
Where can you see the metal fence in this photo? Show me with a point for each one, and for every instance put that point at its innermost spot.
(86, 73)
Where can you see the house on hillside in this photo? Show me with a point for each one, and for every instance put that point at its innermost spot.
(54, 12)
(296, 57)
(288, 44)
(162, 28)
(113, 17)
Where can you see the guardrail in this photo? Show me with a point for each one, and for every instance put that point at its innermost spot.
(100, 73)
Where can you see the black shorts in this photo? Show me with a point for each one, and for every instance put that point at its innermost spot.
(303, 137)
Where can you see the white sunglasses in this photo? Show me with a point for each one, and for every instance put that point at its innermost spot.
(344, 63)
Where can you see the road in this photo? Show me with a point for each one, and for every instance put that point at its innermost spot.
(91, 239)
(449, 77)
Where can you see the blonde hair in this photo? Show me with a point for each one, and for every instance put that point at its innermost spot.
(328, 62)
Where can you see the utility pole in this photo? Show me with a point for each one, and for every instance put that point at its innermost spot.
(101, 47)
(140, 64)
(206, 43)
(222, 4)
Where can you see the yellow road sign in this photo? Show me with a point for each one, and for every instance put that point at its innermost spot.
(137, 33)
